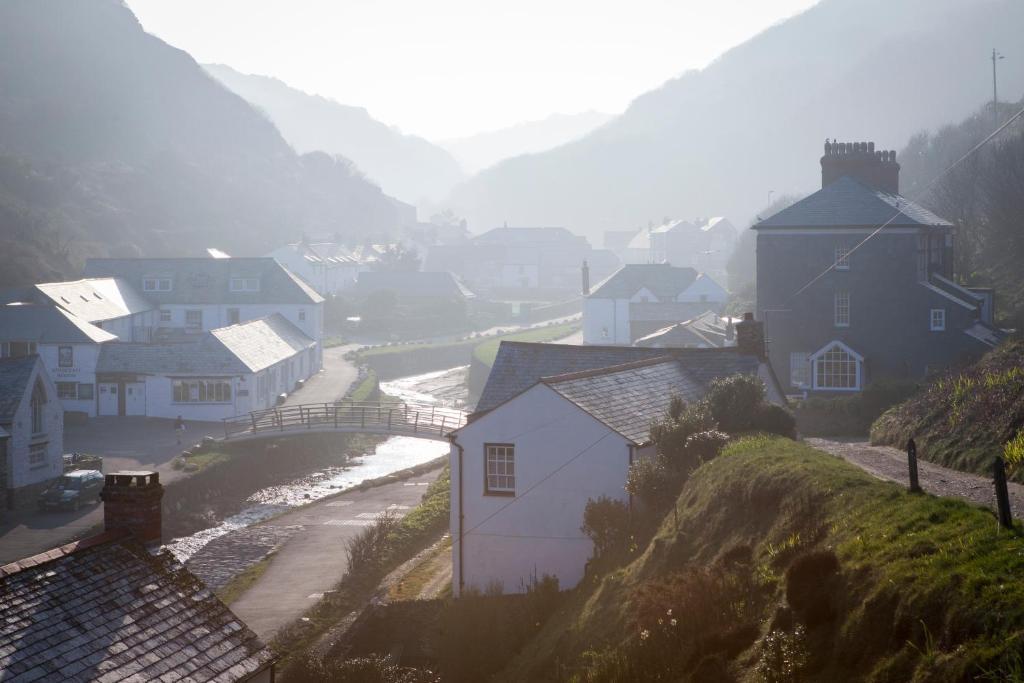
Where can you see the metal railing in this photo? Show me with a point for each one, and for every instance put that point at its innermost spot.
(424, 420)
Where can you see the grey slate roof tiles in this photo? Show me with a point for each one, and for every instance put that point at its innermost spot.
(14, 376)
(45, 324)
(95, 299)
(665, 281)
(414, 284)
(107, 610)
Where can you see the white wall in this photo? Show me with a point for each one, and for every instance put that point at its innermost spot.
(20, 473)
(706, 287)
(547, 431)
(601, 315)
(83, 371)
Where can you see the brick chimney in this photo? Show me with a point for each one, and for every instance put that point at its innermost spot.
(859, 160)
(750, 337)
(131, 500)
(586, 278)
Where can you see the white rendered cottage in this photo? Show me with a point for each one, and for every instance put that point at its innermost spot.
(557, 425)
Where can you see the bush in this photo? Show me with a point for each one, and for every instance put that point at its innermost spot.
(651, 482)
(372, 669)
(1013, 452)
(671, 433)
(783, 656)
(774, 419)
(733, 401)
(370, 546)
(606, 523)
(704, 446)
(809, 586)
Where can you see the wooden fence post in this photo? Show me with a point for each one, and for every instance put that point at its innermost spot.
(1002, 494)
(915, 486)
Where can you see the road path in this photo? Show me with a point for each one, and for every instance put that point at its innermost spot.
(332, 382)
(312, 560)
(889, 463)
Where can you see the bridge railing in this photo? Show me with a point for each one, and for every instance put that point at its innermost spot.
(395, 418)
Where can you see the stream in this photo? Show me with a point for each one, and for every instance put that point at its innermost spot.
(444, 387)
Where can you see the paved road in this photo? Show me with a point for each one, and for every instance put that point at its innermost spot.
(313, 559)
(891, 464)
(332, 382)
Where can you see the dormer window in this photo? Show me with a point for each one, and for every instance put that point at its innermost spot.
(842, 261)
(156, 284)
(245, 284)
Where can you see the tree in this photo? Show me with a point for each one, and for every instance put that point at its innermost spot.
(397, 258)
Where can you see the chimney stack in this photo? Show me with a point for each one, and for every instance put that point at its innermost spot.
(859, 160)
(586, 278)
(750, 337)
(131, 500)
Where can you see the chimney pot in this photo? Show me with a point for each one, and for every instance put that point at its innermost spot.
(859, 160)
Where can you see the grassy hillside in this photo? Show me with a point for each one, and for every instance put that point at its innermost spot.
(963, 418)
(780, 563)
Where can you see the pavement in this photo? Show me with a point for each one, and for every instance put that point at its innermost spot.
(313, 560)
(332, 382)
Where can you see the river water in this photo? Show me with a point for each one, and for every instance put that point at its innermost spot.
(446, 387)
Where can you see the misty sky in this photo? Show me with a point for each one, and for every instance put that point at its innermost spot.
(449, 68)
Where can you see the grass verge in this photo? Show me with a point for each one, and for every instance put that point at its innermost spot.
(487, 351)
(239, 584)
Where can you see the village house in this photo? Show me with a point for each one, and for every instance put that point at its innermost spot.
(115, 607)
(32, 422)
(224, 372)
(557, 425)
(413, 286)
(68, 346)
(110, 304)
(640, 299)
(327, 267)
(705, 331)
(704, 244)
(841, 312)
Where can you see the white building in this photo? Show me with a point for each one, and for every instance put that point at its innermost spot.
(640, 299)
(108, 303)
(32, 418)
(68, 346)
(557, 425)
(225, 372)
(327, 267)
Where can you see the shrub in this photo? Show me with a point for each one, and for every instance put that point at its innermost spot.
(774, 419)
(704, 446)
(370, 546)
(651, 482)
(372, 669)
(682, 421)
(809, 585)
(783, 656)
(733, 401)
(606, 523)
(1013, 452)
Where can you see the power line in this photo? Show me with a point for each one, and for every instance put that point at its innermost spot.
(899, 212)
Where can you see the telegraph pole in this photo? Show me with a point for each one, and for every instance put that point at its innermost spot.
(995, 93)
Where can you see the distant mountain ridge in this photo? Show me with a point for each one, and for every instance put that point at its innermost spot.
(717, 141)
(405, 166)
(114, 143)
(480, 151)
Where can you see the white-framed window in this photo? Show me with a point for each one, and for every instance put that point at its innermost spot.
(842, 257)
(837, 368)
(842, 309)
(16, 349)
(245, 284)
(165, 316)
(67, 391)
(501, 469)
(37, 456)
(937, 320)
(156, 284)
(194, 319)
(800, 369)
(202, 391)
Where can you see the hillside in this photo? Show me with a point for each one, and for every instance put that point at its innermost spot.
(405, 166)
(480, 151)
(716, 141)
(963, 418)
(114, 143)
(781, 563)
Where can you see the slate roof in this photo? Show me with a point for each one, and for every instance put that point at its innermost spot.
(520, 365)
(665, 281)
(208, 280)
(234, 350)
(14, 376)
(627, 398)
(413, 284)
(45, 324)
(96, 299)
(847, 203)
(705, 330)
(104, 609)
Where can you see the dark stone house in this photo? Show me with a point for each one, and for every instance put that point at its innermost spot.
(841, 310)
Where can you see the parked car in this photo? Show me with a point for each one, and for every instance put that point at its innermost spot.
(82, 461)
(73, 489)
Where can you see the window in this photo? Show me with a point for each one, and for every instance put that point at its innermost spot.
(37, 402)
(836, 367)
(65, 356)
(194, 319)
(67, 391)
(85, 392)
(17, 349)
(156, 284)
(37, 456)
(202, 391)
(800, 369)
(501, 469)
(245, 284)
(233, 316)
(938, 319)
(842, 257)
(842, 309)
(165, 316)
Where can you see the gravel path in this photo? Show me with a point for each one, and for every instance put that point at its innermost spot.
(890, 463)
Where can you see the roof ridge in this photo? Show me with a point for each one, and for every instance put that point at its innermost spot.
(62, 551)
(611, 369)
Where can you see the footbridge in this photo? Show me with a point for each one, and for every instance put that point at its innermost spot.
(425, 421)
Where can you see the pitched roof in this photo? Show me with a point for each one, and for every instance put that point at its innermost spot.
(45, 324)
(511, 236)
(208, 280)
(665, 281)
(705, 330)
(14, 376)
(627, 398)
(847, 203)
(96, 299)
(106, 609)
(413, 284)
(520, 365)
(233, 350)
